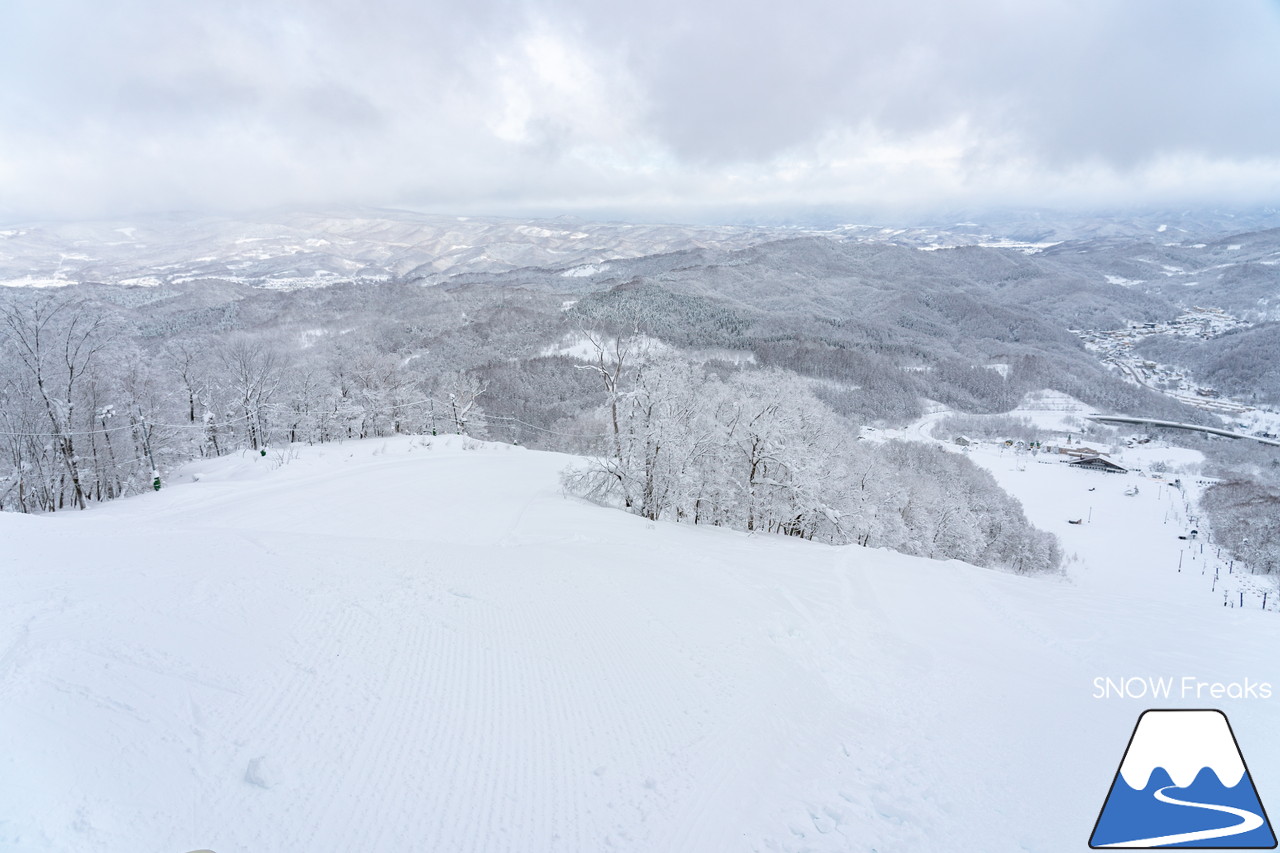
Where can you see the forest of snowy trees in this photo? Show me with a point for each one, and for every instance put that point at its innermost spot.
(1246, 521)
(91, 410)
(1231, 363)
(758, 451)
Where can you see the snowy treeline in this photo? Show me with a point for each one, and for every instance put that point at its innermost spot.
(1244, 506)
(1246, 519)
(989, 427)
(86, 413)
(1016, 428)
(92, 410)
(758, 451)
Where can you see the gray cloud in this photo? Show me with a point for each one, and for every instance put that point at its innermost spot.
(142, 104)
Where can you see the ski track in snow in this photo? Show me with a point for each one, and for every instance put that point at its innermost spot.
(381, 646)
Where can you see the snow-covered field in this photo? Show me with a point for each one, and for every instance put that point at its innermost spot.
(406, 645)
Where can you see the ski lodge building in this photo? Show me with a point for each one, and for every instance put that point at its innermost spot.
(1097, 463)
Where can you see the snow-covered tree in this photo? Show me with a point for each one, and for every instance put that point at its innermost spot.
(253, 370)
(460, 393)
(761, 453)
(55, 341)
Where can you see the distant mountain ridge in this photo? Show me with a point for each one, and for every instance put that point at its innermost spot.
(1232, 257)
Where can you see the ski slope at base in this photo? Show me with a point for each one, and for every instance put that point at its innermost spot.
(1126, 544)
(389, 646)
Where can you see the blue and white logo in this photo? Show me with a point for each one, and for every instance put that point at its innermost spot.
(1183, 783)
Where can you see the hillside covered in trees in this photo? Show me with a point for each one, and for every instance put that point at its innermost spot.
(715, 384)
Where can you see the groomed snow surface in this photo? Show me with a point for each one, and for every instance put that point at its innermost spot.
(413, 645)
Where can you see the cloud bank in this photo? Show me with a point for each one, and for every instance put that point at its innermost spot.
(497, 106)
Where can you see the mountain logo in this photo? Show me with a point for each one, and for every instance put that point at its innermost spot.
(1183, 783)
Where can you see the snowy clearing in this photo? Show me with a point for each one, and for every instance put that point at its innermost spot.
(585, 271)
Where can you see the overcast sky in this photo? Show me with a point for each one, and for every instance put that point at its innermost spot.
(680, 106)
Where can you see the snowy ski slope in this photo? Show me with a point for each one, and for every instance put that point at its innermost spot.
(390, 646)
